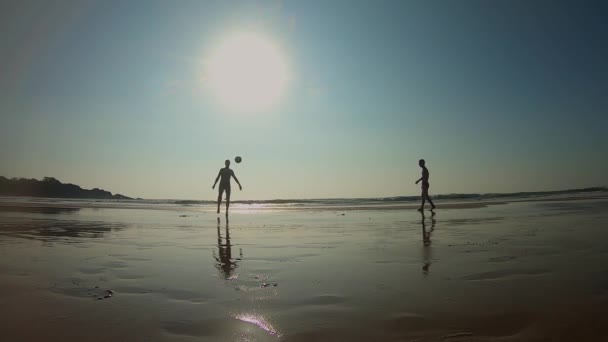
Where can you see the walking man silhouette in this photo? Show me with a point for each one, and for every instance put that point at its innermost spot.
(425, 185)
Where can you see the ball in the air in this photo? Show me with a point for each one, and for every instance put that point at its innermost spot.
(238, 159)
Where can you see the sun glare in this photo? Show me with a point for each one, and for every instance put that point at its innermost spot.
(247, 72)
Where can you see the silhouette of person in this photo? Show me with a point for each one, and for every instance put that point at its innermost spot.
(225, 263)
(425, 185)
(225, 174)
(426, 242)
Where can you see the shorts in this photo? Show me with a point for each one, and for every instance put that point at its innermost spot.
(225, 187)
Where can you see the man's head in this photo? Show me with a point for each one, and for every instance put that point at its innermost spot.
(421, 162)
(227, 162)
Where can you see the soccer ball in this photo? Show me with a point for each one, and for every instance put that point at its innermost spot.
(238, 159)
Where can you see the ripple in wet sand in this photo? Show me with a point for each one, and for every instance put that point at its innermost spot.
(91, 270)
(324, 300)
(500, 274)
(185, 296)
(210, 327)
(502, 258)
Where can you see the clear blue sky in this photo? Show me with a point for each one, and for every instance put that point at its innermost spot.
(497, 96)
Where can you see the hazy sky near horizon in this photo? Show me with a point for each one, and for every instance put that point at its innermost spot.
(497, 96)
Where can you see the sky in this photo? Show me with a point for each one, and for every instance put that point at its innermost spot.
(497, 96)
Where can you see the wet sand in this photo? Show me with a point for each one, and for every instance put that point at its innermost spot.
(521, 271)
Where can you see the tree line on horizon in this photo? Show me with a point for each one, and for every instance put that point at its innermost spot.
(51, 187)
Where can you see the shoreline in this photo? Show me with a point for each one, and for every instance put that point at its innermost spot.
(239, 207)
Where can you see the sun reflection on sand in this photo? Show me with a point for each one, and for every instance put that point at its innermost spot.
(259, 321)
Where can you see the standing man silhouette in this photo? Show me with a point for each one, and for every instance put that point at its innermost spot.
(425, 185)
(225, 174)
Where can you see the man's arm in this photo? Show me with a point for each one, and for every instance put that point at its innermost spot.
(425, 176)
(237, 180)
(216, 179)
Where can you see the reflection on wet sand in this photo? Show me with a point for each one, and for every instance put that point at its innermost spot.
(426, 242)
(225, 263)
(38, 210)
(57, 230)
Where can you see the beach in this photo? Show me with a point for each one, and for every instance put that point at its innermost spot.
(112, 271)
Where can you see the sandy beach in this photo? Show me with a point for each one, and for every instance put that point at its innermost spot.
(520, 271)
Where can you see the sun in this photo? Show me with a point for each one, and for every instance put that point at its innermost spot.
(247, 72)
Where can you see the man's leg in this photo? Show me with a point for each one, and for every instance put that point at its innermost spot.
(430, 201)
(423, 198)
(219, 199)
(227, 200)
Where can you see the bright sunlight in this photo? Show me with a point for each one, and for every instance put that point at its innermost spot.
(247, 72)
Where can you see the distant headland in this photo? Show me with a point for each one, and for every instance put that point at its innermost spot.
(50, 187)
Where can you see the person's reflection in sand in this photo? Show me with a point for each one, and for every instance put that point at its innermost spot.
(426, 243)
(225, 263)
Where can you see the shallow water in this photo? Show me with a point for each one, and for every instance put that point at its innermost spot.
(298, 274)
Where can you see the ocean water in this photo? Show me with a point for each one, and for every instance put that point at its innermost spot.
(330, 203)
